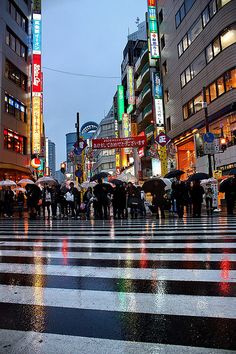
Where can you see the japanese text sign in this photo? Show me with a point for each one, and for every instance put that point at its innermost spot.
(116, 143)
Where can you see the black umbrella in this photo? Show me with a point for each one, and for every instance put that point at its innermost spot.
(117, 182)
(233, 171)
(154, 185)
(99, 176)
(175, 173)
(225, 184)
(198, 177)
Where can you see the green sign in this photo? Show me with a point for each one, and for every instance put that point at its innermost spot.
(120, 102)
(153, 26)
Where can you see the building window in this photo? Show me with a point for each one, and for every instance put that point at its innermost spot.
(221, 42)
(198, 103)
(15, 107)
(15, 44)
(17, 15)
(230, 80)
(167, 96)
(14, 74)
(200, 23)
(160, 16)
(213, 93)
(164, 67)
(168, 124)
(184, 9)
(163, 42)
(14, 142)
(220, 86)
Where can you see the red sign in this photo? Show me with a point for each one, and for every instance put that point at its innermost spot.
(151, 2)
(162, 139)
(117, 143)
(37, 87)
(141, 152)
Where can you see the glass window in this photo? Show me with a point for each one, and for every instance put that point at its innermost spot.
(198, 103)
(188, 75)
(208, 95)
(182, 12)
(216, 46)
(177, 19)
(23, 51)
(228, 37)
(230, 79)
(18, 18)
(220, 86)
(209, 53)
(188, 5)
(7, 37)
(185, 111)
(180, 48)
(182, 78)
(12, 42)
(198, 64)
(213, 93)
(212, 8)
(221, 3)
(205, 17)
(13, 11)
(18, 45)
(185, 42)
(190, 108)
(195, 30)
(23, 23)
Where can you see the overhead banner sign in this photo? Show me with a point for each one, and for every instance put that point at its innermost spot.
(117, 143)
(130, 85)
(120, 102)
(153, 30)
(37, 87)
(36, 125)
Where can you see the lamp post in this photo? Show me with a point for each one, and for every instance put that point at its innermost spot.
(204, 104)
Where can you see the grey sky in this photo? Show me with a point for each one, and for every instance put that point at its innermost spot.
(83, 36)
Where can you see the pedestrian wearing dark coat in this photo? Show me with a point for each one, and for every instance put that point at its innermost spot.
(9, 202)
(230, 195)
(197, 193)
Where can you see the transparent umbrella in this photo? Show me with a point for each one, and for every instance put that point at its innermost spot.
(25, 181)
(46, 180)
(7, 183)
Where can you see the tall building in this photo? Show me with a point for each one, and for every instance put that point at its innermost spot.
(15, 65)
(50, 157)
(105, 160)
(198, 51)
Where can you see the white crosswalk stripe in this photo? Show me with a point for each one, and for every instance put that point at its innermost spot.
(118, 287)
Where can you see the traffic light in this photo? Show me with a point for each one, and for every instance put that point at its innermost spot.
(63, 167)
(223, 144)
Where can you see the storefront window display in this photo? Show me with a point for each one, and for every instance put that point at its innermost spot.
(186, 156)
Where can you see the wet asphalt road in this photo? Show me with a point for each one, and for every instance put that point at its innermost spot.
(118, 287)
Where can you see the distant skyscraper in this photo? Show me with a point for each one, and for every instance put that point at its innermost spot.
(50, 157)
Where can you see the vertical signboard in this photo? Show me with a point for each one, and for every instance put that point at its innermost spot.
(120, 102)
(36, 79)
(130, 85)
(153, 30)
(158, 98)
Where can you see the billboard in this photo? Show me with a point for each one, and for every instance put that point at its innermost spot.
(130, 85)
(36, 33)
(126, 122)
(158, 98)
(120, 102)
(36, 78)
(117, 143)
(36, 124)
(153, 30)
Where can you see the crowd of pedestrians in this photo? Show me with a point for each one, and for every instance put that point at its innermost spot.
(118, 201)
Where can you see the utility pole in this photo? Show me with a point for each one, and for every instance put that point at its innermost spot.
(77, 128)
(207, 128)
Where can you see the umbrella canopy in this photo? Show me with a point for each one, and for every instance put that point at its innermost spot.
(25, 181)
(19, 189)
(99, 176)
(198, 177)
(117, 182)
(46, 180)
(225, 184)
(107, 186)
(175, 173)
(167, 182)
(127, 177)
(88, 184)
(233, 171)
(153, 185)
(7, 183)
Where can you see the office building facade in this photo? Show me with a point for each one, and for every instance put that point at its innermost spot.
(15, 59)
(198, 50)
(50, 157)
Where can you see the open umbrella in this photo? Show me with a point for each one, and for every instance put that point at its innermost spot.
(175, 173)
(25, 181)
(153, 185)
(199, 176)
(46, 180)
(116, 182)
(127, 177)
(88, 184)
(7, 183)
(225, 184)
(167, 182)
(19, 189)
(99, 176)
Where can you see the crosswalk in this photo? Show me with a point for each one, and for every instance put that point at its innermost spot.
(112, 287)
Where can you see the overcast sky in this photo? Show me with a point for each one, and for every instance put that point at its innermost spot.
(87, 37)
